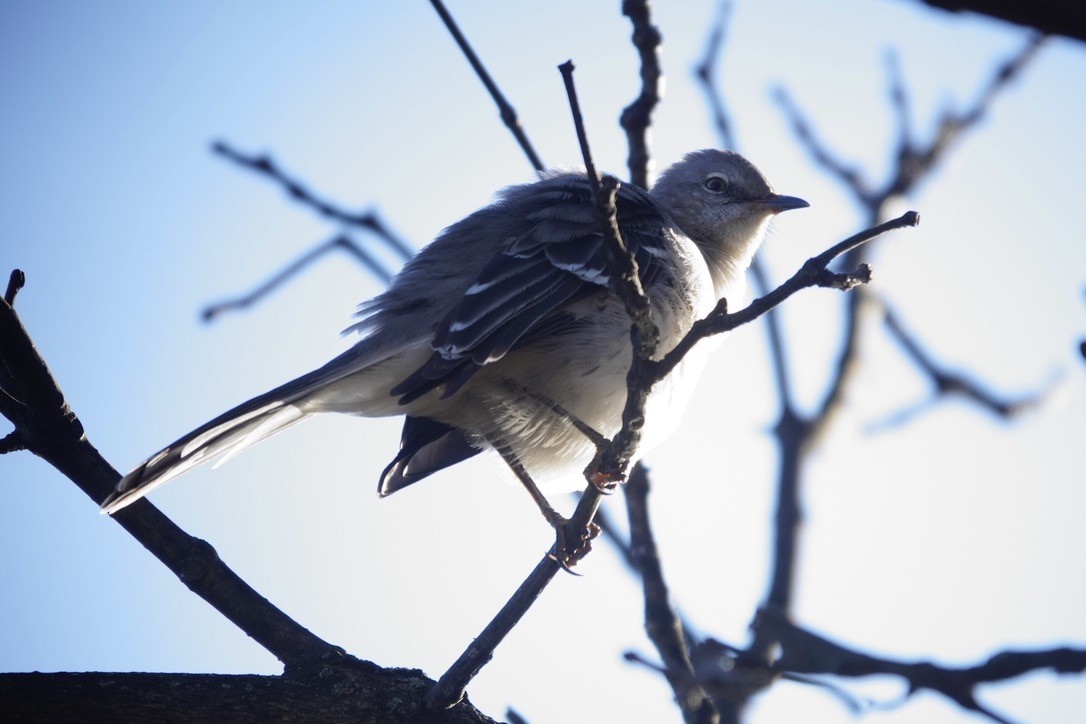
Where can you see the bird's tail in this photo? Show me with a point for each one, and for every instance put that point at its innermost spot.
(240, 428)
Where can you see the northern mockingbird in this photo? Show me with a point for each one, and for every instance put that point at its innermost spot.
(503, 332)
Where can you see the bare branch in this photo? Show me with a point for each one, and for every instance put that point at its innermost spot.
(705, 72)
(1058, 17)
(916, 163)
(899, 100)
(507, 112)
(49, 429)
(566, 69)
(368, 220)
(450, 687)
(12, 442)
(331, 693)
(845, 173)
(814, 272)
(950, 383)
(637, 117)
(610, 465)
(806, 653)
(340, 241)
(662, 625)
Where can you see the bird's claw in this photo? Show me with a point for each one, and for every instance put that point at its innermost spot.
(570, 545)
(605, 483)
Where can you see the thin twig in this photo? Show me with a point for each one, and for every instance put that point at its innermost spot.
(566, 69)
(948, 382)
(846, 173)
(368, 220)
(508, 113)
(450, 687)
(610, 466)
(705, 72)
(340, 241)
(814, 272)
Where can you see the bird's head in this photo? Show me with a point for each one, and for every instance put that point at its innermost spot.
(724, 204)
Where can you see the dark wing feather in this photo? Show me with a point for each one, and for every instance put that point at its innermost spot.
(426, 446)
(557, 260)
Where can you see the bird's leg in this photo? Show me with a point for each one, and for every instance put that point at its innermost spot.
(570, 546)
(606, 486)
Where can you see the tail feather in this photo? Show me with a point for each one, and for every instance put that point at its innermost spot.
(220, 439)
(239, 428)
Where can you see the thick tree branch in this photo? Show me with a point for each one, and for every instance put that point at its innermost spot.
(347, 692)
(49, 429)
(1056, 17)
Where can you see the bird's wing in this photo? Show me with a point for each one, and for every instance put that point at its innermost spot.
(557, 259)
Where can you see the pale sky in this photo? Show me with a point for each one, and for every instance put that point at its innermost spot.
(951, 538)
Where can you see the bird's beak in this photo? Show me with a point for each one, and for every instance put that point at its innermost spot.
(778, 203)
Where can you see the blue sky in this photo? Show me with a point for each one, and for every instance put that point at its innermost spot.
(952, 538)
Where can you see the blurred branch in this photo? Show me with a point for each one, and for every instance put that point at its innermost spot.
(507, 112)
(803, 652)
(951, 383)
(915, 161)
(340, 241)
(705, 72)
(796, 434)
(662, 625)
(637, 117)
(368, 220)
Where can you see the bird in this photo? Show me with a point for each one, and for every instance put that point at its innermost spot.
(504, 332)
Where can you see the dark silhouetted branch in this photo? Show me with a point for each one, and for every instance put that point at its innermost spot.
(15, 283)
(353, 693)
(49, 429)
(803, 652)
(1056, 17)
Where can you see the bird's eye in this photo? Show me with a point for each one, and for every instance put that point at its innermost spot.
(715, 184)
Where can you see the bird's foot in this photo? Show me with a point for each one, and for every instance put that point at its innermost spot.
(605, 483)
(571, 544)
